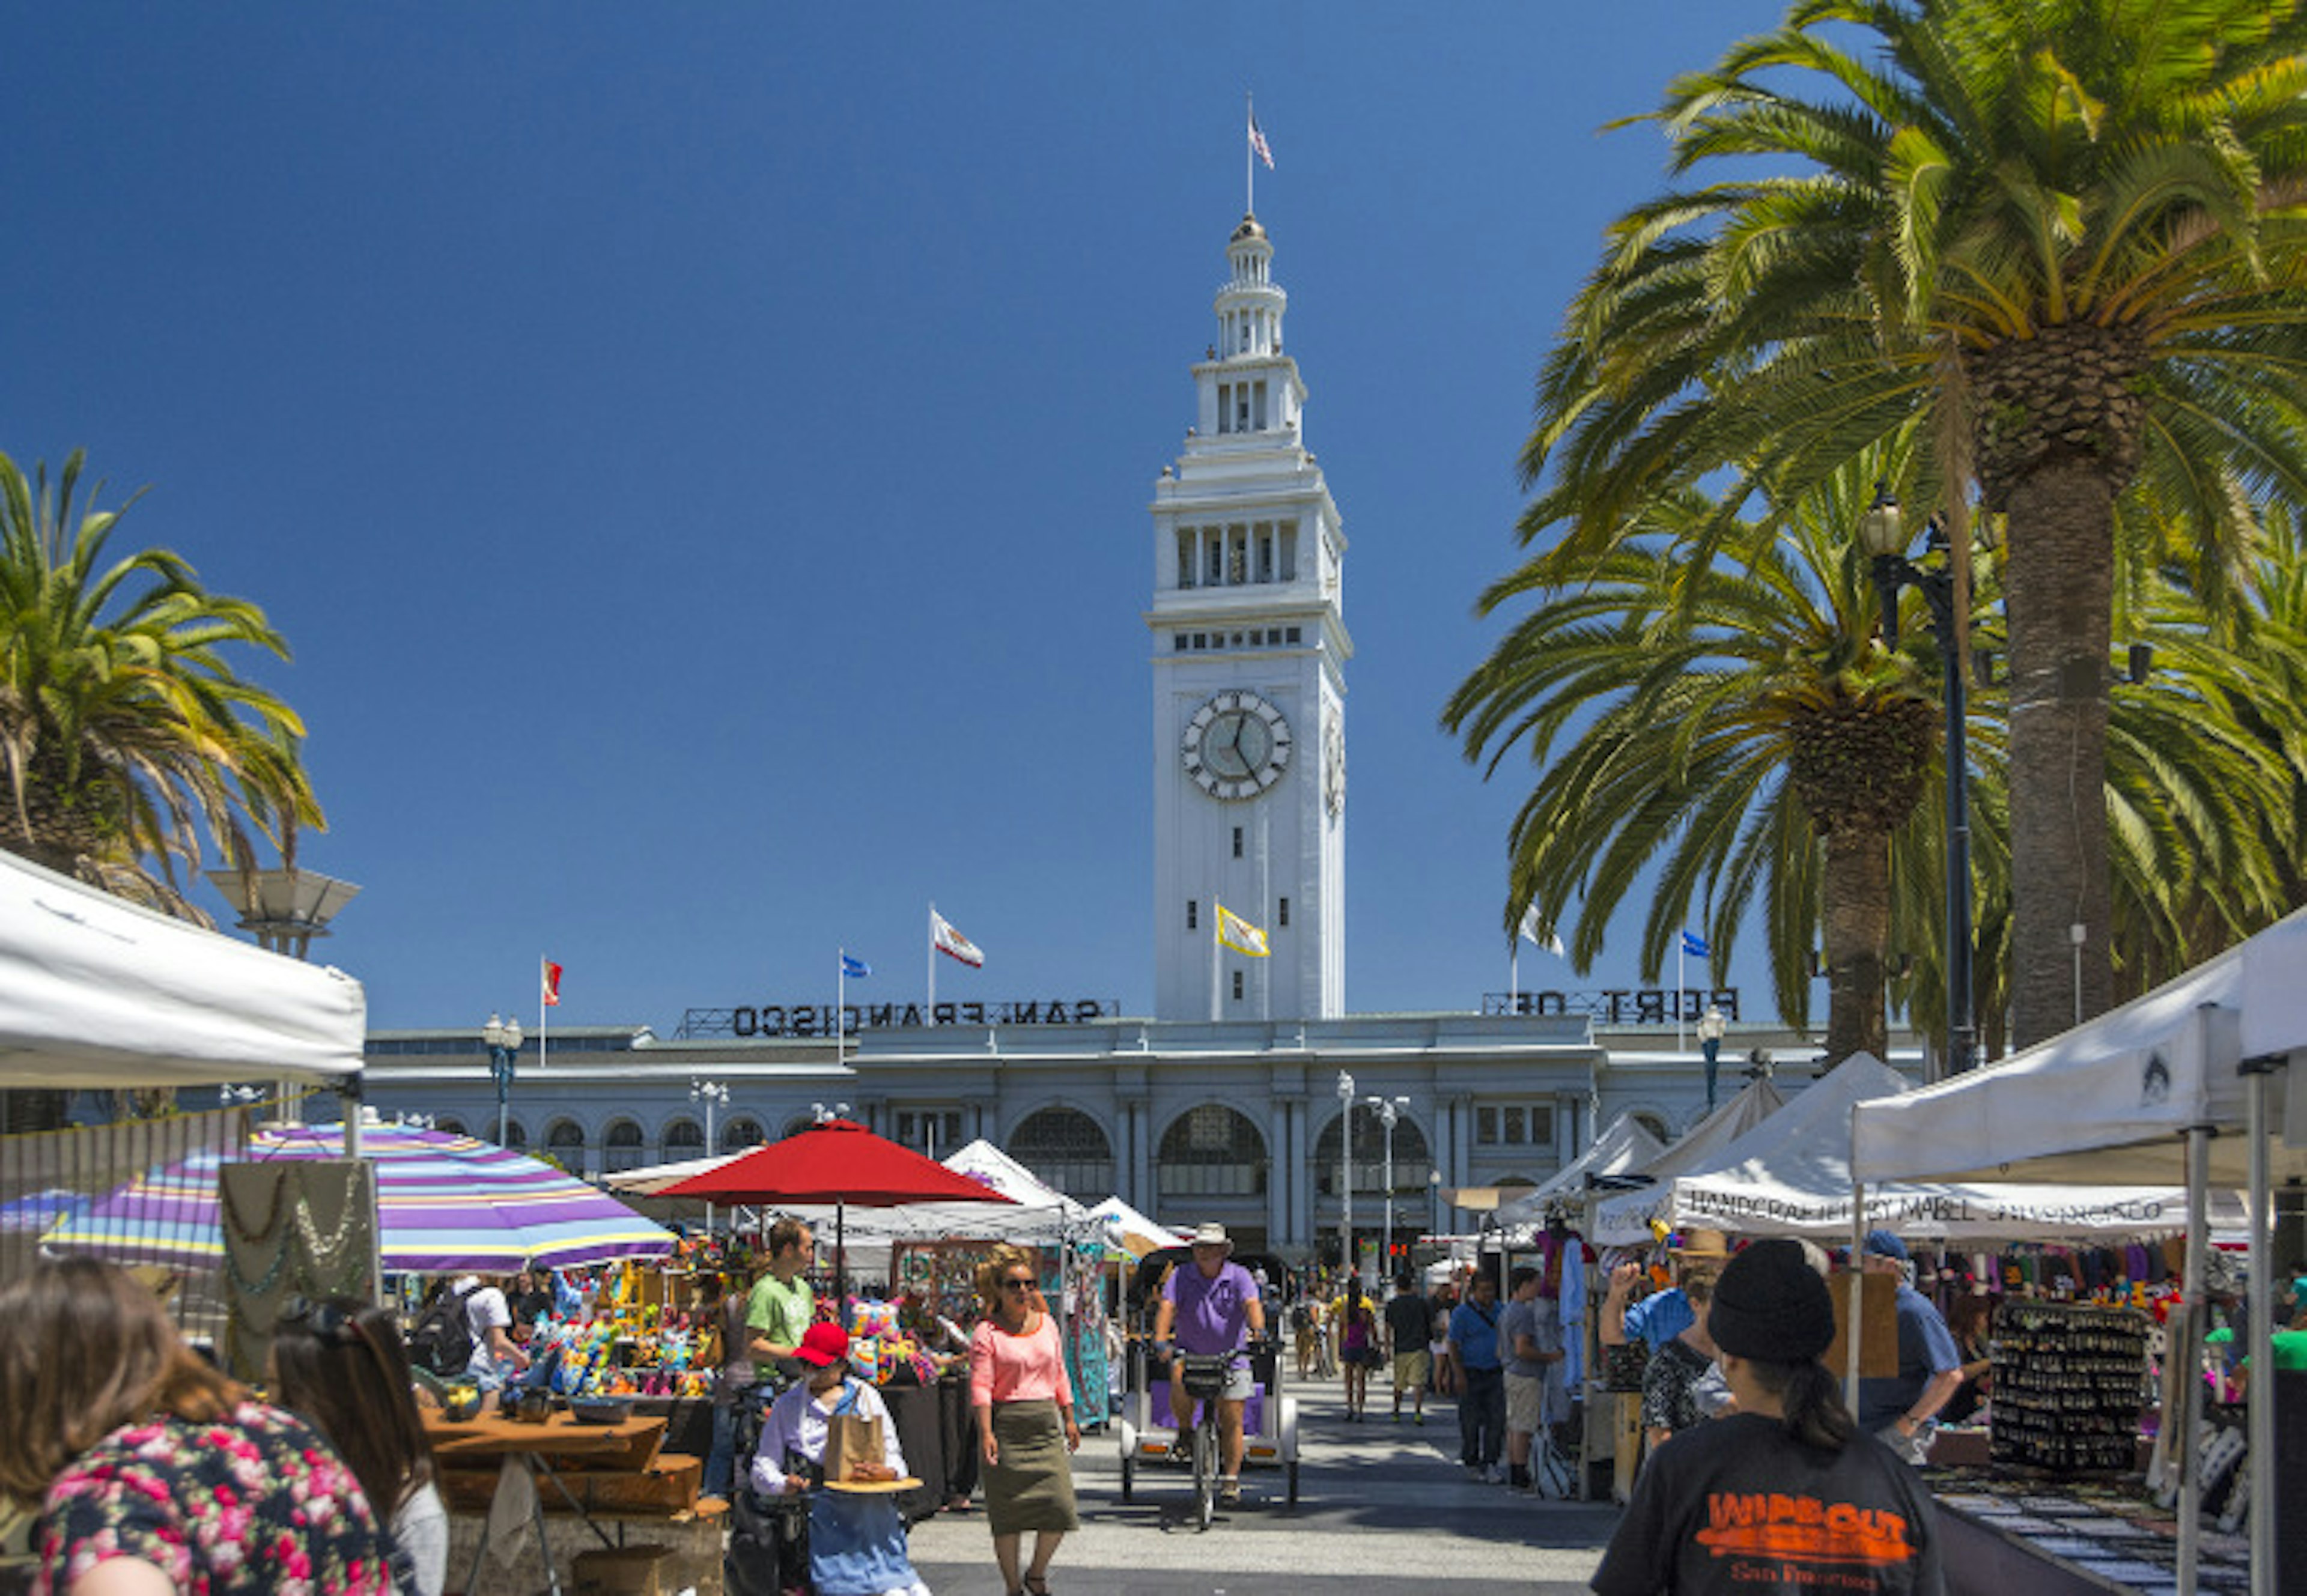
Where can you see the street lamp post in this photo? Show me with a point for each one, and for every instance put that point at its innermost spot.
(502, 1038)
(1884, 538)
(1346, 1170)
(1711, 1028)
(711, 1094)
(1389, 1114)
(284, 909)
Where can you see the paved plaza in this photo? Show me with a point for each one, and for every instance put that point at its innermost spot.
(1382, 1508)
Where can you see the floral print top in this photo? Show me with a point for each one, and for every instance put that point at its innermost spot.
(252, 1502)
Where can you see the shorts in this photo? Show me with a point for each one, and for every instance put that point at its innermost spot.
(1410, 1370)
(1525, 1401)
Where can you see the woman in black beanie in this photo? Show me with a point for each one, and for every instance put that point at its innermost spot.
(1785, 1491)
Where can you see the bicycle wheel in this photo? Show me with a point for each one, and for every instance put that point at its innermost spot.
(1205, 1473)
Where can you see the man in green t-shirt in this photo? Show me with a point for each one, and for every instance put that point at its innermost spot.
(782, 1307)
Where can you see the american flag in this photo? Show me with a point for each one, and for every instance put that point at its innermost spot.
(1257, 143)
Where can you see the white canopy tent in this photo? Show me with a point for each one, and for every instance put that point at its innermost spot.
(1790, 1175)
(1625, 1145)
(97, 992)
(2190, 1079)
(1132, 1231)
(1701, 1146)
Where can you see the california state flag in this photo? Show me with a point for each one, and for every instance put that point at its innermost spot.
(948, 940)
(551, 984)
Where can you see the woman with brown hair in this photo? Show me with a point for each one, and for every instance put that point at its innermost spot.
(341, 1365)
(1025, 1403)
(153, 1473)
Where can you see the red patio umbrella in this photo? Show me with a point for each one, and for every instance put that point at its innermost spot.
(838, 1162)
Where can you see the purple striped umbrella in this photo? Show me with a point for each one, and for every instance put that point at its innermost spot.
(443, 1203)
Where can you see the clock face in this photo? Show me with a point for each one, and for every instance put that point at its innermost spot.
(1236, 746)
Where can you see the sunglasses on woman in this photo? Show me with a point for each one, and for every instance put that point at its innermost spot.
(1018, 1286)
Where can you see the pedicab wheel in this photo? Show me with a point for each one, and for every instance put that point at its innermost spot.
(1205, 1477)
(1293, 1482)
(1128, 1475)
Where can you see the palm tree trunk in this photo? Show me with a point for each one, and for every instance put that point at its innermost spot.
(2058, 585)
(1855, 904)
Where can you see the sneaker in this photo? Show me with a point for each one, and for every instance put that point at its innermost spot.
(1493, 1475)
(1417, 1418)
(1230, 1492)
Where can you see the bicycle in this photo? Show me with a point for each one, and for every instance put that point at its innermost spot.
(1204, 1376)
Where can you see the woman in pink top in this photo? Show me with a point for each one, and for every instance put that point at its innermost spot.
(1025, 1418)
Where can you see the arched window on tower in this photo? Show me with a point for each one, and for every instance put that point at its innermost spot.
(1065, 1149)
(1212, 1151)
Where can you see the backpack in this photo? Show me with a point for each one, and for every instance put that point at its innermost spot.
(442, 1341)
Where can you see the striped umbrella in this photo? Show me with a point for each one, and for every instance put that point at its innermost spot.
(443, 1203)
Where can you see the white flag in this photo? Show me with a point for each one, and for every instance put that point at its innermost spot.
(1548, 939)
(948, 940)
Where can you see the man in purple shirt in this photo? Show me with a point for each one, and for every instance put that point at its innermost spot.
(1206, 1308)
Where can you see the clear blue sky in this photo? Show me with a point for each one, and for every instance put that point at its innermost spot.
(701, 454)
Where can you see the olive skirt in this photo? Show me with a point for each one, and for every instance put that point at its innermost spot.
(1031, 1487)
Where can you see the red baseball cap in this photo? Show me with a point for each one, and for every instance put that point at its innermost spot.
(825, 1344)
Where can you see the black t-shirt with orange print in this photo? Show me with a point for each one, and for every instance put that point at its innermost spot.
(1735, 1505)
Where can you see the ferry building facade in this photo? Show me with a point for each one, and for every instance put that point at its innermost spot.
(1234, 1100)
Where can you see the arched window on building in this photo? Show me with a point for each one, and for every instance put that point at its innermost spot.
(1655, 1124)
(1068, 1150)
(516, 1136)
(683, 1138)
(449, 1125)
(797, 1124)
(623, 1146)
(1212, 1151)
(742, 1132)
(564, 1144)
(1411, 1161)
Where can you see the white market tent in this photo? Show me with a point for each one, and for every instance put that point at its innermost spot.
(97, 992)
(1625, 1145)
(651, 1180)
(1701, 1146)
(1790, 1175)
(1132, 1231)
(2190, 1079)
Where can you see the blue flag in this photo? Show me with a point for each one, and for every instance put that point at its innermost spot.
(854, 967)
(1694, 944)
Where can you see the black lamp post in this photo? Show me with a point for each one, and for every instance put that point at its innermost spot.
(502, 1039)
(1884, 538)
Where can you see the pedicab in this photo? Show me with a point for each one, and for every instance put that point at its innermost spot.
(1146, 1435)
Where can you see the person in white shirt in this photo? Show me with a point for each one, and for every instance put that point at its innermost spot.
(488, 1318)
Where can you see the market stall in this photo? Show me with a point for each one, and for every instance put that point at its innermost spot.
(2188, 1082)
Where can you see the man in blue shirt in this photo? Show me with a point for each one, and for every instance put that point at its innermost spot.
(1904, 1412)
(1474, 1357)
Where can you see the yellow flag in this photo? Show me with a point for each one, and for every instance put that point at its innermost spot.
(1240, 935)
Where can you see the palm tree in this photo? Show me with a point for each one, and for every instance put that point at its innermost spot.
(124, 733)
(1741, 728)
(2058, 237)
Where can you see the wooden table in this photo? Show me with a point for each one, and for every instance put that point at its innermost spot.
(545, 1450)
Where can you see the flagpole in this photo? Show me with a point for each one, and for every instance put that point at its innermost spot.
(1248, 169)
(1681, 947)
(840, 1000)
(542, 1008)
(1217, 928)
(1514, 974)
(932, 1008)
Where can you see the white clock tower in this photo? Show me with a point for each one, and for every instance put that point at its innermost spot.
(1250, 652)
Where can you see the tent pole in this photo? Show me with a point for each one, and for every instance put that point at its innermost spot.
(2189, 1351)
(2260, 1392)
(1857, 1290)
